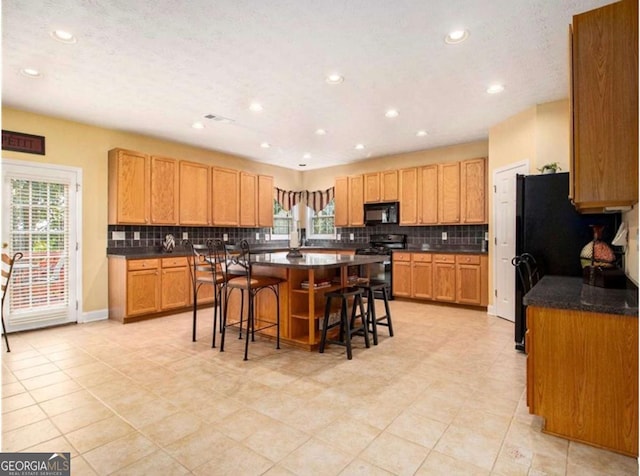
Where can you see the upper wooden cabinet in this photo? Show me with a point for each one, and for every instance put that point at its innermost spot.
(129, 182)
(449, 193)
(605, 107)
(381, 187)
(356, 200)
(225, 196)
(248, 199)
(164, 191)
(473, 191)
(428, 195)
(341, 198)
(409, 196)
(349, 201)
(195, 194)
(265, 201)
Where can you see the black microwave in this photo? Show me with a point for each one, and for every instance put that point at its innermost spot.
(378, 213)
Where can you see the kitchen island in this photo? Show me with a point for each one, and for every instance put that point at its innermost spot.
(302, 294)
(582, 363)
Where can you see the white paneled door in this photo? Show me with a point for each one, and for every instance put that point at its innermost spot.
(40, 210)
(504, 212)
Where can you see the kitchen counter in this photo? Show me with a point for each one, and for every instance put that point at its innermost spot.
(445, 249)
(314, 260)
(564, 292)
(154, 252)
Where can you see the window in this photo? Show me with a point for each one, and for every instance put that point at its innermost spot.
(282, 221)
(41, 207)
(320, 225)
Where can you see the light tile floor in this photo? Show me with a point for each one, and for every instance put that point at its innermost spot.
(445, 396)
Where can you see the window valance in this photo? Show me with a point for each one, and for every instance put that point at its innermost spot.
(316, 200)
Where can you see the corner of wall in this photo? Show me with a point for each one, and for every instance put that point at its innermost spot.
(630, 218)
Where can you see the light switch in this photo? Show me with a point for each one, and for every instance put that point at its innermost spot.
(185, 235)
(118, 235)
(351, 236)
(136, 235)
(257, 236)
(267, 237)
(225, 237)
(338, 237)
(486, 236)
(444, 236)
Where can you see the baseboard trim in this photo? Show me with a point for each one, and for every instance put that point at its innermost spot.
(99, 315)
(491, 310)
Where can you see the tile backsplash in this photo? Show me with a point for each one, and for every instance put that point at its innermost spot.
(132, 236)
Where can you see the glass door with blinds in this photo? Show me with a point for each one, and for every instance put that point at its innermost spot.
(40, 207)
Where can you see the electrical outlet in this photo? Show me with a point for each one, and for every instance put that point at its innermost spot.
(444, 236)
(118, 235)
(267, 237)
(225, 237)
(351, 236)
(185, 235)
(486, 236)
(338, 237)
(136, 235)
(257, 236)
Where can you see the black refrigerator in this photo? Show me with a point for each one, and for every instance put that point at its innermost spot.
(549, 228)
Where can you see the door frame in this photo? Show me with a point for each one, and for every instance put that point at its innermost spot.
(525, 164)
(37, 168)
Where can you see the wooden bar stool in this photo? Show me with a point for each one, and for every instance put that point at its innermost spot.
(372, 319)
(346, 323)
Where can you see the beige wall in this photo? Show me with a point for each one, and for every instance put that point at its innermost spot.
(539, 134)
(324, 178)
(73, 144)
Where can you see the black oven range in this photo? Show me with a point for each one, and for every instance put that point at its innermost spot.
(383, 245)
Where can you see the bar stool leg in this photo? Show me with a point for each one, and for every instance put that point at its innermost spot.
(277, 293)
(363, 319)
(386, 308)
(346, 335)
(371, 315)
(325, 324)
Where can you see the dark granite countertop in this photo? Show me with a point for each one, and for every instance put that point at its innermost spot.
(155, 252)
(565, 292)
(457, 249)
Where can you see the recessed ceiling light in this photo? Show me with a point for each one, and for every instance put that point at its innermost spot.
(255, 107)
(421, 133)
(456, 36)
(495, 89)
(321, 132)
(391, 113)
(31, 72)
(63, 36)
(359, 146)
(306, 156)
(334, 78)
(197, 125)
(265, 145)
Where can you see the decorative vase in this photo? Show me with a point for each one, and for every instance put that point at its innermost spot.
(168, 244)
(597, 252)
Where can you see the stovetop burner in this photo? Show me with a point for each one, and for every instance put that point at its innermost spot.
(383, 244)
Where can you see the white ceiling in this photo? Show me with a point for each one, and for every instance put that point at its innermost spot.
(156, 66)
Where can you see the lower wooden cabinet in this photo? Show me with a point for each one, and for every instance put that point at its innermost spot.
(460, 279)
(444, 278)
(582, 376)
(142, 287)
(401, 285)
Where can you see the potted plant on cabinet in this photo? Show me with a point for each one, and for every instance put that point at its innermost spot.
(550, 168)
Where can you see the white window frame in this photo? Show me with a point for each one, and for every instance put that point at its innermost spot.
(44, 171)
(319, 236)
(294, 217)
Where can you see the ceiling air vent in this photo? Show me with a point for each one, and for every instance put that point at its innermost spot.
(224, 120)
